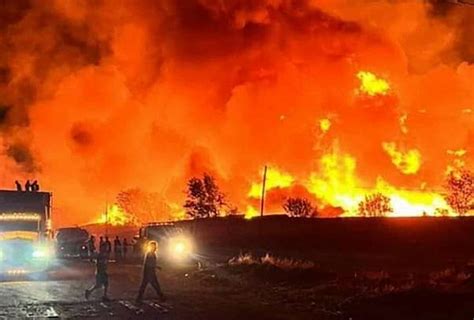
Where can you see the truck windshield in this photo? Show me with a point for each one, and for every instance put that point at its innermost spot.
(18, 225)
(158, 232)
(72, 234)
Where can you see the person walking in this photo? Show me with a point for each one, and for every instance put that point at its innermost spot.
(149, 273)
(101, 275)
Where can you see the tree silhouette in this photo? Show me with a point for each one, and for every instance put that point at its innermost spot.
(204, 199)
(375, 205)
(299, 207)
(460, 191)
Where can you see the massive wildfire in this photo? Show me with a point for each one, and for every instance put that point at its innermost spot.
(339, 98)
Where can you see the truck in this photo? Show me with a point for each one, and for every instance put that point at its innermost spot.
(174, 243)
(72, 242)
(26, 244)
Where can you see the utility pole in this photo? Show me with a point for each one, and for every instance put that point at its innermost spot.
(262, 202)
(106, 219)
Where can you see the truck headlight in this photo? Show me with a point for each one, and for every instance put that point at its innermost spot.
(42, 253)
(180, 247)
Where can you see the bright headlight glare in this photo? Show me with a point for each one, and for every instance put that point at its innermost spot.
(42, 253)
(180, 247)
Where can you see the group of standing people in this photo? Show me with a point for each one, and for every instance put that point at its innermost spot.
(120, 248)
(101, 259)
(29, 186)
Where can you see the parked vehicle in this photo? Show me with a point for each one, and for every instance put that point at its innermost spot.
(25, 232)
(174, 244)
(72, 242)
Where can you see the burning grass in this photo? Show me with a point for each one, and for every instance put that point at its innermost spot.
(275, 269)
(448, 277)
(302, 285)
(281, 263)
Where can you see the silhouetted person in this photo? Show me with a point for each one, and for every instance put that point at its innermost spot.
(117, 248)
(101, 241)
(35, 186)
(149, 273)
(28, 185)
(91, 246)
(18, 186)
(125, 248)
(101, 275)
(108, 245)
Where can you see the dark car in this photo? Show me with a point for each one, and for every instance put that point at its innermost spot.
(72, 242)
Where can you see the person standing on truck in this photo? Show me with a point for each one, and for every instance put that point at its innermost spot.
(117, 248)
(101, 275)
(149, 273)
(35, 186)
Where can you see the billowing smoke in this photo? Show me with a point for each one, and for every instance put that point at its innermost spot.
(102, 96)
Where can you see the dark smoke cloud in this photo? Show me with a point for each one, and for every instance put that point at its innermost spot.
(13, 11)
(81, 135)
(39, 46)
(21, 154)
(4, 113)
(459, 16)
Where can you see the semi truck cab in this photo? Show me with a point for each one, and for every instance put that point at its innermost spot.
(25, 232)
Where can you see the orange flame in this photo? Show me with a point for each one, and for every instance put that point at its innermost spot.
(114, 216)
(371, 85)
(337, 184)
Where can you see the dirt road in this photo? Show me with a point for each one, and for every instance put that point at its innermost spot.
(191, 294)
(356, 288)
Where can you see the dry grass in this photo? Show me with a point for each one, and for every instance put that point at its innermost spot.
(286, 263)
(281, 263)
(277, 270)
(372, 275)
(448, 276)
(243, 259)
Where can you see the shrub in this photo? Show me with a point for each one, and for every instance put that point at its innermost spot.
(375, 205)
(299, 207)
(460, 191)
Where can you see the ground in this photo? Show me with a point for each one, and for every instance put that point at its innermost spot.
(336, 286)
(192, 293)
